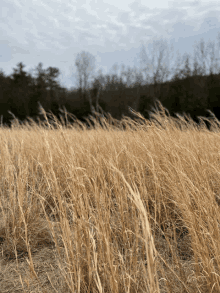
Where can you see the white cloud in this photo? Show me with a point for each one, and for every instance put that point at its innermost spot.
(53, 32)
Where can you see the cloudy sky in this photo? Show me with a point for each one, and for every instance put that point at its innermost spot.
(55, 31)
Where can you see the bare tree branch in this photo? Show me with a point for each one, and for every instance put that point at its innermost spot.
(85, 63)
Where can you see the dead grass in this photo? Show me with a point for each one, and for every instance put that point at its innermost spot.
(110, 211)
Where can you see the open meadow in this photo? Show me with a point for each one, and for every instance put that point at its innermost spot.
(108, 210)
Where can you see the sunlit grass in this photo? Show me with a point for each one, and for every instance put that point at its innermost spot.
(110, 211)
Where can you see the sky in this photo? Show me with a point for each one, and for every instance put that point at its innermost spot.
(114, 32)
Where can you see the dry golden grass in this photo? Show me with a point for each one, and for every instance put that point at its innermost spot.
(110, 211)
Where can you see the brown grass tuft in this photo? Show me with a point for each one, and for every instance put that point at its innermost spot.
(110, 211)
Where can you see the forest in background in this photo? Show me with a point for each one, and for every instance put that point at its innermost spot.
(191, 90)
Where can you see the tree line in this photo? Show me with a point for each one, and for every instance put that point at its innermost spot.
(190, 91)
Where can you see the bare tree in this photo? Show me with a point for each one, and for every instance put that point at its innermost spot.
(161, 70)
(201, 53)
(96, 88)
(85, 63)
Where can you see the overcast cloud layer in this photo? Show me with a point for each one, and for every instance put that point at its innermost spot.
(54, 31)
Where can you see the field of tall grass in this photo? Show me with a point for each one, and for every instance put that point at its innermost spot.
(109, 210)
